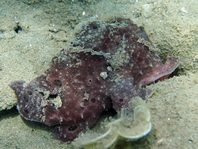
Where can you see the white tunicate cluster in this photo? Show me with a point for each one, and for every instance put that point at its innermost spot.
(130, 123)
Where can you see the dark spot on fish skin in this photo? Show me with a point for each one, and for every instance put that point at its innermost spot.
(29, 92)
(121, 100)
(26, 110)
(93, 100)
(57, 82)
(72, 128)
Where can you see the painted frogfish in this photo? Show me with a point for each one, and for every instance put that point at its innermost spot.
(111, 67)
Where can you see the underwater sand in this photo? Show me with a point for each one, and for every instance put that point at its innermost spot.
(32, 32)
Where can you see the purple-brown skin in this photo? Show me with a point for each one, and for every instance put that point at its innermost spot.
(72, 93)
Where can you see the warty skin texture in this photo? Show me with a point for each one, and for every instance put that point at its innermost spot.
(79, 86)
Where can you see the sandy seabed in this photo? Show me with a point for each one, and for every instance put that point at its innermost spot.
(32, 32)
